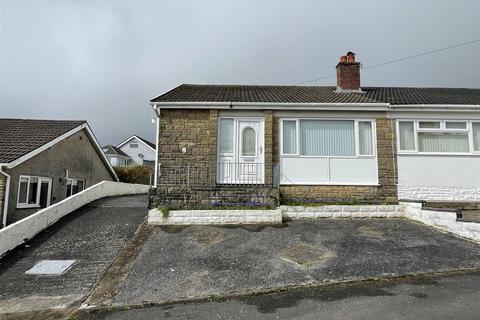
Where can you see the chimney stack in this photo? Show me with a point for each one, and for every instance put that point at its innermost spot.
(348, 74)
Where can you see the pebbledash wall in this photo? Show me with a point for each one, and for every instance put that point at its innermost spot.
(190, 136)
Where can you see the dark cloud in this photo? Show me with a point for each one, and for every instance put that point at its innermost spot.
(103, 60)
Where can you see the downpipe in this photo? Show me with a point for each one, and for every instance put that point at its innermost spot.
(7, 195)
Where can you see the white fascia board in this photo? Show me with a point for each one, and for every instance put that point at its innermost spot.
(317, 106)
(436, 107)
(274, 106)
(136, 137)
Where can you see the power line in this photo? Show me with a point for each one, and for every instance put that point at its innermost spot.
(396, 60)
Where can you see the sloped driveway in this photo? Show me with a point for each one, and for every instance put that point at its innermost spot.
(199, 261)
(92, 236)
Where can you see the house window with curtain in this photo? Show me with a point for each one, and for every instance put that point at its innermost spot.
(438, 136)
(327, 138)
(318, 151)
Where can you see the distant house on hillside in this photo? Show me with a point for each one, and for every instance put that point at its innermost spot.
(140, 150)
(45, 161)
(116, 157)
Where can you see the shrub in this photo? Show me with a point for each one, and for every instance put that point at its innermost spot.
(134, 174)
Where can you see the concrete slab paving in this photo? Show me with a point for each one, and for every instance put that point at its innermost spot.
(92, 236)
(198, 261)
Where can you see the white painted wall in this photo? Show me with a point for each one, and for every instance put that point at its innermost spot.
(439, 177)
(148, 153)
(446, 221)
(328, 170)
(15, 234)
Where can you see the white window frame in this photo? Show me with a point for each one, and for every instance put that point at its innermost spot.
(37, 203)
(442, 129)
(73, 179)
(357, 138)
(297, 137)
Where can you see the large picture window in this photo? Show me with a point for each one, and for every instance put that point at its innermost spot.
(438, 136)
(34, 192)
(327, 138)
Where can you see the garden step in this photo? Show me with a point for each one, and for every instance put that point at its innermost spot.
(470, 216)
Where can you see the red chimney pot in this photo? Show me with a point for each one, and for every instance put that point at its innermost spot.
(348, 74)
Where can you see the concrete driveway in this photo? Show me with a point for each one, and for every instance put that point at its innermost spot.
(92, 236)
(435, 298)
(199, 261)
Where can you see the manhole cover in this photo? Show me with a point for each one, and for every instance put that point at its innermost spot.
(206, 235)
(51, 267)
(371, 233)
(305, 255)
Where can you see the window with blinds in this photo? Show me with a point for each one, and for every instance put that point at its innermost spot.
(327, 138)
(439, 136)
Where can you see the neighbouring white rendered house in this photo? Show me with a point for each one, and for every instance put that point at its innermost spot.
(439, 151)
(140, 150)
(116, 157)
(250, 143)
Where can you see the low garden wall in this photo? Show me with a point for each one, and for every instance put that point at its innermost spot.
(443, 220)
(202, 217)
(446, 221)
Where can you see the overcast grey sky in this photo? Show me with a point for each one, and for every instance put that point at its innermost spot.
(102, 60)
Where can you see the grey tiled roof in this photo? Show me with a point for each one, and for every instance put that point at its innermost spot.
(316, 94)
(109, 149)
(152, 145)
(21, 136)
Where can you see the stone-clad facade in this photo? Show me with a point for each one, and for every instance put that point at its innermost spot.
(188, 155)
(188, 147)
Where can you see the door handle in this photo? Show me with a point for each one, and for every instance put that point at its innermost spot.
(260, 149)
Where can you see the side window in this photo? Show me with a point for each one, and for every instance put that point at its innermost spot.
(74, 186)
(365, 139)
(406, 134)
(289, 137)
(226, 135)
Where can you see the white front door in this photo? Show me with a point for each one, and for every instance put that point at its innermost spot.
(241, 151)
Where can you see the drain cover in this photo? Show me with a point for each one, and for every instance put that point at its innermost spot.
(52, 267)
(305, 255)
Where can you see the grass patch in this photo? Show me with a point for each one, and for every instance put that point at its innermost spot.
(165, 211)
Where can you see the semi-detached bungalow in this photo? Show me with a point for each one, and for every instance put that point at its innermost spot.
(247, 143)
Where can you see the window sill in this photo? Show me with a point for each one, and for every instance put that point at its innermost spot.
(300, 183)
(405, 153)
(27, 206)
(328, 157)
